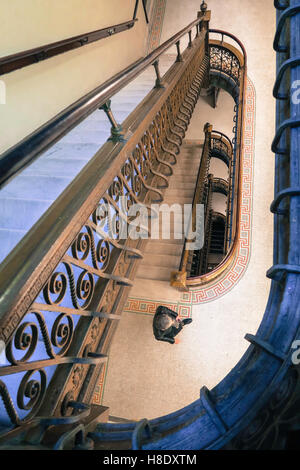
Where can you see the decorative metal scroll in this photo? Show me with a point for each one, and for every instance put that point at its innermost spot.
(59, 347)
(195, 263)
(226, 62)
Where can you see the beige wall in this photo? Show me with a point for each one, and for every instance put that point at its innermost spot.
(37, 93)
(250, 20)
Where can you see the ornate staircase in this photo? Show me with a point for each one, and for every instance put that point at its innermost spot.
(163, 256)
(25, 198)
(64, 287)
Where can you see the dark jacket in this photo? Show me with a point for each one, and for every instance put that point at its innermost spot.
(169, 334)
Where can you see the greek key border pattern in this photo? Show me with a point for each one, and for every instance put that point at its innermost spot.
(156, 25)
(230, 279)
(222, 286)
(148, 307)
(99, 390)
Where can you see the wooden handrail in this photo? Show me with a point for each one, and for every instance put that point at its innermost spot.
(23, 59)
(22, 154)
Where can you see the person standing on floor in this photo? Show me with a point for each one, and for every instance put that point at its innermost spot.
(167, 324)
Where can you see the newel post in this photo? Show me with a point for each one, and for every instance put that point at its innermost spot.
(205, 16)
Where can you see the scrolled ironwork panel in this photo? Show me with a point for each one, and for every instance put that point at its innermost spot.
(225, 61)
(56, 345)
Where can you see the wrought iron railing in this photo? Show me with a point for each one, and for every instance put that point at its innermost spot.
(64, 286)
(198, 258)
(257, 403)
(223, 149)
(225, 58)
(178, 278)
(220, 185)
(256, 406)
(193, 263)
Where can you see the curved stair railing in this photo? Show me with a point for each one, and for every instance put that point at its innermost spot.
(194, 262)
(64, 286)
(220, 185)
(228, 70)
(223, 149)
(256, 406)
(202, 195)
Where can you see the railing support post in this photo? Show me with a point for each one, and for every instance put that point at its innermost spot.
(117, 134)
(158, 83)
(179, 56)
(178, 280)
(204, 23)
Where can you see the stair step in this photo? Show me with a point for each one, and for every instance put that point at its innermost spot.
(176, 233)
(181, 186)
(164, 248)
(20, 214)
(78, 136)
(187, 159)
(172, 241)
(178, 200)
(186, 166)
(183, 179)
(71, 151)
(96, 122)
(186, 193)
(154, 272)
(30, 187)
(55, 167)
(188, 173)
(8, 240)
(169, 261)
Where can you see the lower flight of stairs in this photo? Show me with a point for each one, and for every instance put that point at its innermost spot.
(162, 256)
(217, 241)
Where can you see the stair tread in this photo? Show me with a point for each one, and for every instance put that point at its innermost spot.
(157, 273)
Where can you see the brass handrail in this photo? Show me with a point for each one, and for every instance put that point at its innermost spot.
(221, 139)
